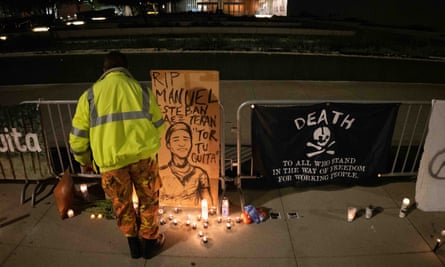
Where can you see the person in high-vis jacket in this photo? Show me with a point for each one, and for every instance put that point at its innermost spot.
(117, 127)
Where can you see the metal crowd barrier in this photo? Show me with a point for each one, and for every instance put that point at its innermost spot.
(408, 138)
(407, 142)
(56, 117)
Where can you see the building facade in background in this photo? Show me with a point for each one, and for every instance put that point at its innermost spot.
(233, 7)
(259, 8)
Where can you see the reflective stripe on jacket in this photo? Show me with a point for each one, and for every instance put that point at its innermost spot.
(119, 120)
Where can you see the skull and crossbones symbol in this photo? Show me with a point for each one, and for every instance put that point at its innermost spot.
(322, 136)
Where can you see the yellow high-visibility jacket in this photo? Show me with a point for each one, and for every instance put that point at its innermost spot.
(117, 122)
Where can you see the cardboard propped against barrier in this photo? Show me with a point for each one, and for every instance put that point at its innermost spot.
(189, 158)
(430, 185)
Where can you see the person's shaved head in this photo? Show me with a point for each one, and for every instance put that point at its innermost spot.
(115, 59)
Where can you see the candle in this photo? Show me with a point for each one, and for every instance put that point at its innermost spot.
(438, 241)
(204, 209)
(228, 226)
(187, 222)
(70, 213)
(238, 219)
(212, 211)
(161, 211)
(135, 199)
(162, 221)
(351, 213)
(405, 202)
(404, 207)
(92, 216)
(100, 216)
(368, 212)
(175, 222)
(84, 190)
(200, 233)
(206, 225)
(219, 220)
(170, 216)
(194, 225)
(204, 239)
(176, 210)
(198, 218)
(442, 233)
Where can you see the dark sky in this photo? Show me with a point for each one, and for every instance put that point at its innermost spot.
(402, 13)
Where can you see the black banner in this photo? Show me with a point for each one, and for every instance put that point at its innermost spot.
(322, 143)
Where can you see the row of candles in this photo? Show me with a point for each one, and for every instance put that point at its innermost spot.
(205, 211)
(205, 219)
(84, 190)
(352, 211)
(404, 208)
(202, 217)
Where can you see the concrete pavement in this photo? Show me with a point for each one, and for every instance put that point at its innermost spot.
(319, 236)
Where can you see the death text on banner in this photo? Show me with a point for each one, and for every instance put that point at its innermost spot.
(322, 143)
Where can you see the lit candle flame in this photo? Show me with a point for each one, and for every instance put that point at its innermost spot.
(70, 213)
(438, 243)
(135, 200)
(351, 213)
(405, 202)
(83, 188)
(404, 207)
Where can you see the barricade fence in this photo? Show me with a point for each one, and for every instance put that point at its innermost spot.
(407, 142)
(55, 118)
(23, 155)
(44, 127)
(55, 121)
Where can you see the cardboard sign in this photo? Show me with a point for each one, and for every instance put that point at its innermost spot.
(189, 158)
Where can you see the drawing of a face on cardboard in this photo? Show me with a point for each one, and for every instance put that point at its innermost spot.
(179, 140)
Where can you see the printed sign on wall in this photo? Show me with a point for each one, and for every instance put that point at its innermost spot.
(22, 150)
(189, 158)
(322, 143)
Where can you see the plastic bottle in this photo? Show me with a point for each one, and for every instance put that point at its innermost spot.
(225, 207)
(369, 212)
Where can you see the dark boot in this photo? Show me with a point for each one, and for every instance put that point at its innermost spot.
(150, 247)
(135, 247)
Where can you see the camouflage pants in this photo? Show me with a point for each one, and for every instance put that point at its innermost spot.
(118, 185)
